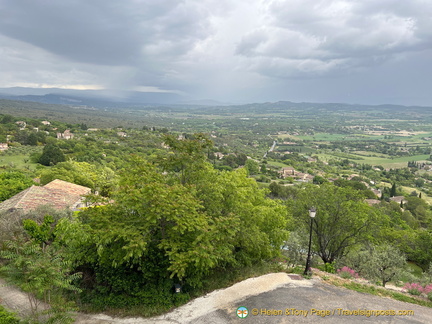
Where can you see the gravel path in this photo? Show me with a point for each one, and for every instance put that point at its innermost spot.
(15, 300)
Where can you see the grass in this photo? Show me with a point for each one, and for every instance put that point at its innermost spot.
(16, 161)
(414, 269)
(363, 288)
(372, 289)
(19, 157)
(425, 197)
(398, 162)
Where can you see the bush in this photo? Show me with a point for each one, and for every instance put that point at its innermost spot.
(413, 288)
(7, 317)
(330, 267)
(347, 273)
(427, 289)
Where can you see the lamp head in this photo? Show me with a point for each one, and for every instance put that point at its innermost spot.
(312, 212)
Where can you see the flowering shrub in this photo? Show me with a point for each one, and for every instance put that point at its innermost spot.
(347, 273)
(427, 289)
(413, 288)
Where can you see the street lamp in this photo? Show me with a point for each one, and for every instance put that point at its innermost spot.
(312, 213)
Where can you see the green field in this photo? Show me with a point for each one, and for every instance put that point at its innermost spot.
(399, 162)
(17, 161)
(326, 137)
(19, 157)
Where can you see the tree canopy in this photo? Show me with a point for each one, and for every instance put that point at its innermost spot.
(342, 219)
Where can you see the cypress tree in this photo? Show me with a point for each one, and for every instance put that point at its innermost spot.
(393, 190)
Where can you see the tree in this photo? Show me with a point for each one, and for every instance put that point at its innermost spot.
(12, 183)
(218, 219)
(185, 157)
(419, 182)
(96, 177)
(241, 158)
(382, 262)
(37, 266)
(178, 221)
(342, 221)
(252, 166)
(51, 155)
(319, 179)
(393, 190)
(419, 209)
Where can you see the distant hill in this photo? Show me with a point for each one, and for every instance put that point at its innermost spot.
(97, 98)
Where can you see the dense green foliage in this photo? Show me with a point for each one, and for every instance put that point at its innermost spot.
(182, 209)
(13, 182)
(383, 263)
(51, 155)
(342, 221)
(175, 220)
(7, 317)
(35, 263)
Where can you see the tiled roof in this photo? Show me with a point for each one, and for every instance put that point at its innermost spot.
(58, 194)
(68, 187)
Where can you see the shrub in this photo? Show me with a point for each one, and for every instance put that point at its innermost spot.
(347, 273)
(413, 288)
(330, 267)
(7, 317)
(427, 289)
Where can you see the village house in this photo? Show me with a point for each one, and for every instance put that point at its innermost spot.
(372, 202)
(65, 135)
(399, 199)
(219, 155)
(57, 194)
(288, 172)
(304, 177)
(377, 192)
(21, 124)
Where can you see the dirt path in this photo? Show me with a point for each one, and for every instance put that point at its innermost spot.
(15, 300)
(201, 306)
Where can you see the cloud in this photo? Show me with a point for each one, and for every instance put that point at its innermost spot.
(104, 32)
(313, 38)
(227, 49)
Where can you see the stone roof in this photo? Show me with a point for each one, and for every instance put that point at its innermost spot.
(372, 201)
(398, 199)
(58, 194)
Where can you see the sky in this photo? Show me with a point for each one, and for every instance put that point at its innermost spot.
(237, 51)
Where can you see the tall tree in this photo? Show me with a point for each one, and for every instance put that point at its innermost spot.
(393, 190)
(342, 220)
(51, 155)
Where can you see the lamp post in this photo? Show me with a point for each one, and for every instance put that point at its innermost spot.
(312, 213)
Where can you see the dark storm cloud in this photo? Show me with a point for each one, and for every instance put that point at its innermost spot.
(102, 32)
(222, 49)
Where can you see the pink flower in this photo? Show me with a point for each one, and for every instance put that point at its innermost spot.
(347, 273)
(415, 288)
